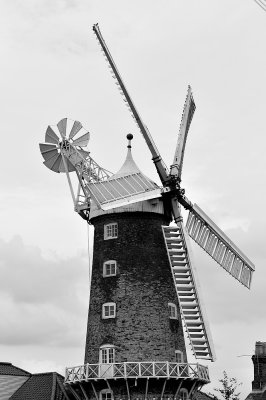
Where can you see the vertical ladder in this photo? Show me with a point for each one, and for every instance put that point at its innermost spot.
(195, 322)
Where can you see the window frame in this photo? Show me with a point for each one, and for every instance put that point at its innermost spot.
(181, 354)
(104, 392)
(110, 359)
(172, 307)
(114, 227)
(182, 392)
(111, 262)
(109, 304)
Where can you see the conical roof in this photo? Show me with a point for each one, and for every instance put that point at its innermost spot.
(130, 167)
(129, 185)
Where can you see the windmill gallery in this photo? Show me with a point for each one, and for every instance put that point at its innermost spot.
(143, 301)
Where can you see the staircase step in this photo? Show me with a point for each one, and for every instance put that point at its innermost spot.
(180, 264)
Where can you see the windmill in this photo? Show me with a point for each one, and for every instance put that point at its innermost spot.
(144, 287)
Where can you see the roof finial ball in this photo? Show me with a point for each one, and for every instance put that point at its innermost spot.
(129, 137)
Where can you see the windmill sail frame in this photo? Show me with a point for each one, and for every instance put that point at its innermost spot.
(218, 245)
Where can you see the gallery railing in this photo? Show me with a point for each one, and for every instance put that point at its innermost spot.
(153, 369)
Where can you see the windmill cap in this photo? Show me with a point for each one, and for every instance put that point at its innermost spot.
(129, 167)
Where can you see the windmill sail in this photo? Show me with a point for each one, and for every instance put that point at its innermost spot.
(187, 288)
(188, 112)
(215, 242)
(156, 157)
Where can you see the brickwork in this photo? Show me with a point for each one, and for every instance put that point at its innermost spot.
(142, 289)
(137, 389)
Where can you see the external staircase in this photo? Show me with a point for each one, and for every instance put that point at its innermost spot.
(187, 289)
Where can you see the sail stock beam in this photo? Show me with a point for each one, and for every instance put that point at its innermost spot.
(156, 157)
(215, 242)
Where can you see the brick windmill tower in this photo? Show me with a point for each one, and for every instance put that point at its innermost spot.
(144, 298)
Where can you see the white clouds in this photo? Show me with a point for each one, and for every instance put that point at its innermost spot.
(30, 364)
(42, 301)
(33, 28)
(43, 324)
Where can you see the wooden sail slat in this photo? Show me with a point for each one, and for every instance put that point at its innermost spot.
(214, 241)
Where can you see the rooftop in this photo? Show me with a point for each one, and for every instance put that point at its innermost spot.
(6, 368)
(43, 386)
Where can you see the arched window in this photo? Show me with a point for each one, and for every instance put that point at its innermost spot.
(110, 231)
(172, 311)
(183, 394)
(109, 268)
(179, 358)
(106, 394)
(108, 310)
(107, 354)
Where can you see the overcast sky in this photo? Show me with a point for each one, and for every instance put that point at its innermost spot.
(51, 68)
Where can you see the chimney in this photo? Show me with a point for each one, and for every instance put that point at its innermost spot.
(259, 361)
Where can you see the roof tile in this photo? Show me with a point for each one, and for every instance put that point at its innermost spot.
(38, 387)
(7, 368)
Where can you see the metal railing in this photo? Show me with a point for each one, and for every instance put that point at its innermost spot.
(153, 369)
